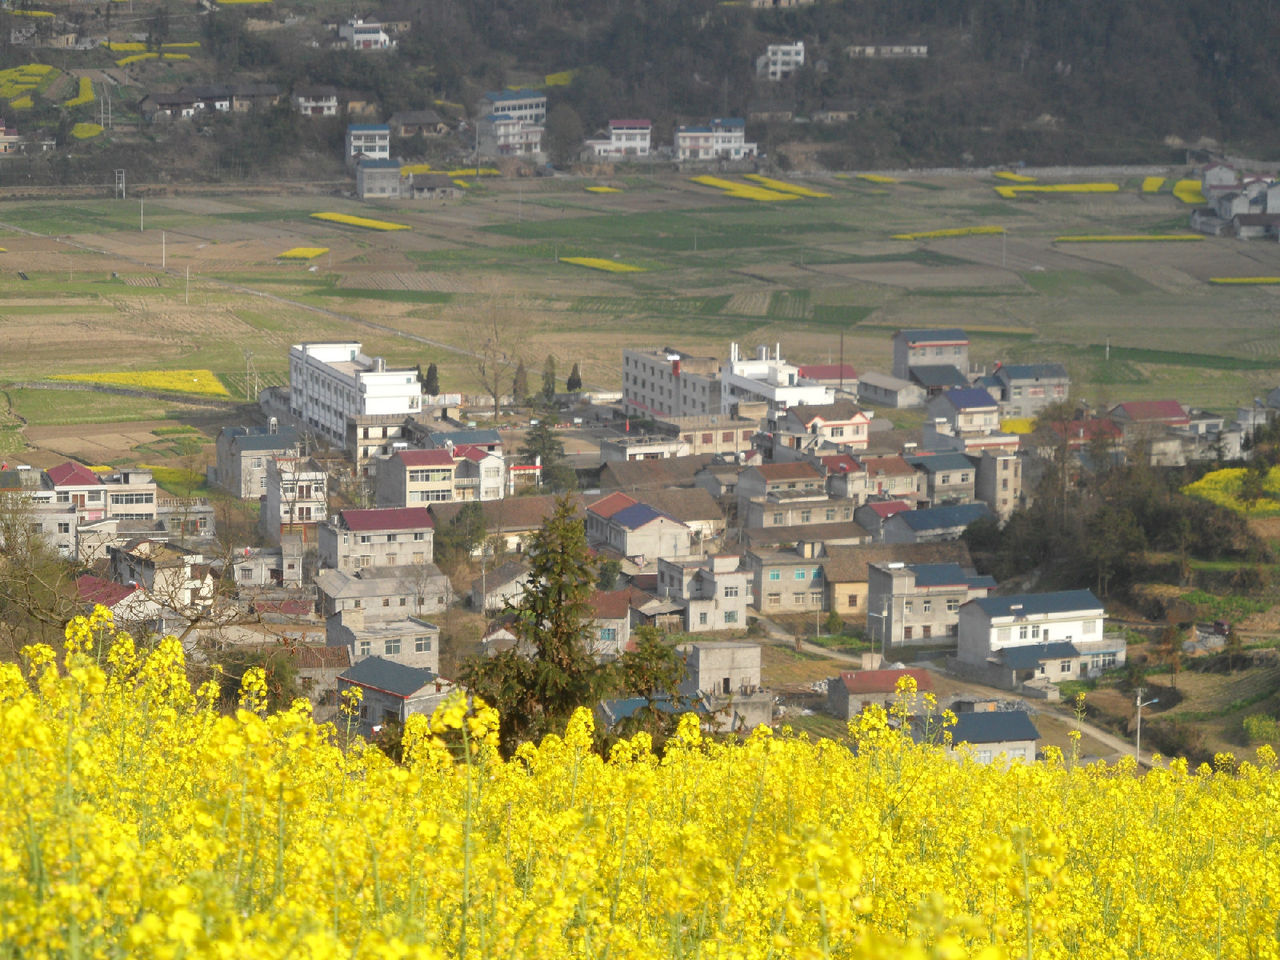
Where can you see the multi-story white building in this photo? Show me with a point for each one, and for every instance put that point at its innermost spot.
(365, 35)
(372, 140)
(329, 382)
(768, 379)
(527, 105)
(297, 498)
(379, 537)
(627, 138)
(780, 60)
(669, 383)
(502, 135)
(725, 138)
(71, 495)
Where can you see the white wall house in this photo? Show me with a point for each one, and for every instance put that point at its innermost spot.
(780, 60)
(988, 625)
(664, 382)
(725, 138)
(627, 138)
(372, 140)
(504, 135)
(527, 105)
(769, 379)
(365, 35)
(329, 382)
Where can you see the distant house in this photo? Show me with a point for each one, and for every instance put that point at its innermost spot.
(713, 593)
(499, 587)
(296, 499)
(966, 410)
(638, 531)
(434, 186)
(514, 519)
(627, 138)
(724, 138)
(810, 426)
(726, 677)
(947, 477)
(984, 736)
(842, 376)
(368, 140)
(1027, 388)
(527, 106)
(384, 593)
(930, 348)
(846, 572)
(392, 536)
(501, 135)
(636, 475)
(784, 479)
(610, 623)
(316, 101)
(412, 123)
(919, 603)
(887, 391)
(391, 692)
(890, 476)
(780, 60)
(854, 690)
(933, 523)
(242, 454)
(379, 179)
(365, 35)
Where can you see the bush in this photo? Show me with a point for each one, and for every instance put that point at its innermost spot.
(1260, 728)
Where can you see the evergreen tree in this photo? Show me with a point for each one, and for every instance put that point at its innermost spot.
(431, 383)
(549, 379)
(520, 384)
(542, 445)
(574, 383)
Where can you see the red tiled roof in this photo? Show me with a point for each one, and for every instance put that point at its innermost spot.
(611, 605)
(613, 503)
(887, 508)
(842, 463)
(827, 371)
(1146, 410)
(796, 470)
(96, 590)
(1082, 431)
(315, 656)
(387, 518)
(426, 458)
(73, 474)
(470, 451)
(889, 466)
(883, 681)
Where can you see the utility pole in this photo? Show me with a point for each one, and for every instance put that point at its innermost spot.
(186, 297)
(163, 251)
(1138, 702)
(142, 214)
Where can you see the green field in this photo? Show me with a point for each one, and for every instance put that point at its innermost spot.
(806, 273)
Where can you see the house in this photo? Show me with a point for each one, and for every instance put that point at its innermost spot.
(610, 623)
(365, 35)
(787, 580)
(887, 51)
(930, 348)
(242, 454)
(501, 587)
(769, 380)
(890, 476)
(316, 101)
(847, 570)
(780, 480)
(966, 411)
(70, 496)
(390, 536)
(887, 391)
(246, 97)
(726, 676)
(384, 593)
(329, 382)
(132, 608)
(871, 516)
(842, 376)
(413, 123)
(369, 140)
(526, 106)
(391, 692)
(983, 736)
(173, 577)
(854, 690)
(803, 509)
(919, 603)
(998, 482)
(1027, 388)
(840, 533)
(712, 593)
(725, 138)
(411, 641)
(933, 523)
(297, 498)
(413, 477)
(380, 179)
(636, 530)
(502, 135)
(267, 566)
(780, 60)
(636, 475)
(627, 138)
(946, 477)
(692, 506)
(433, 186)
(1140, 417)
(665, 382)
(938, 378)
(841, 424)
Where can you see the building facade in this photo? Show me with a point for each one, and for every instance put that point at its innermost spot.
(329, 382)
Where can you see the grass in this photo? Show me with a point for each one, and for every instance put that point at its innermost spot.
(389, 296)
(59, 407)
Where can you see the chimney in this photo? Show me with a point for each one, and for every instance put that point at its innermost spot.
(273, 426)
(762, 352)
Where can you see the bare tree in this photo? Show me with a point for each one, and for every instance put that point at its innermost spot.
(495, 361)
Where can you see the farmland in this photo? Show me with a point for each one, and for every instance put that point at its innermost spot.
(711, 265)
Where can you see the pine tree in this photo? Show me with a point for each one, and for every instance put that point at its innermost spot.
(549, 379)
(520, 384)
(574, 383)
(431, 385)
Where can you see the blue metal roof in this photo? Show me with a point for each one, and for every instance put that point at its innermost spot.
(462, 438)
(624, 708)
(970, 398)
(997, 726)
(1030, 655)
(938, 375)
(1030, 604)
(637, 515)
(939, 518)
(500, 96)
(941, 574)
(369, 128)
(695, 129)
(375, 163)
(388, 676)
(938, 462)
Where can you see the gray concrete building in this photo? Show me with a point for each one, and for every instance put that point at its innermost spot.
(918, 604)
(243, 454)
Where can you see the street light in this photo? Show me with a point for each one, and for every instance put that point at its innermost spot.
(1140, 703)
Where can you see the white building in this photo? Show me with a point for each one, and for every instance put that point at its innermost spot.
(297, 498)
(780, 60)
(725, 138)
(627, 138)
(372, 140)
(504, 135)
(365, 35)
(989, 625)
(769, 379)
(329, 382)
(527, 105)
(664, 382)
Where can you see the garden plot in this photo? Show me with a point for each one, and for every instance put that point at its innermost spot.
(913, 276)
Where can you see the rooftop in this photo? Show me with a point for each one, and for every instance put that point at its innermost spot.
(392, 678)
(938, 375)
(998, 726)
(1029, 656)
(1031, 604)
(883, 681)
(71, 474)
(386, 518)
(940, 518)
(970, 398)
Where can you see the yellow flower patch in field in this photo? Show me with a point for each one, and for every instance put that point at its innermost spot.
(302, 253)
(136, 58)
(1013, 177)
(21, 103)
(125, 46)
(1131, 238)
(1224, 487)
(600, 263)
(784, 187)
(1011, 193)
(561, 78)
(31, 13)
(472, 171)
(182, 43)
(86, 131)
(84, 96)
(1246, 281)
(365, 223)
(176, 56)
(742, 191)
(24, 79)
(202, 382)
(602, 189)
(949, 232)
(1152, 184)
(876, 178)
(462, 184)
(1188, 191)
(1018, 425)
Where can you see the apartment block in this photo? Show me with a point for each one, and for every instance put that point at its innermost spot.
(919, 603)
(329, 382)
(377, 537)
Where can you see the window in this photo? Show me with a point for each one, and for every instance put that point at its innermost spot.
(391, 646)
(365, 648)
(392, 537)
(831, 514)
(356, 604)
(391, 559)
(419, 536)
(773, 599)
(775, 574)
(609, 634)
(404, 601)
(926, 631)
(731, 616)
(797, 599)
(1090, 626)
(64, 496)
(837, 431)
(926, 606)
(851, 601)
(1022, 632)
(806, 516)
(908, 606)
(706, 438)
(1035, 631)
(246, 573)
(64, 528)
(366, 538)
(727, 436)
(386, 601)
(702, 619)
(777, 519)
(800, 573)
(730, 592)
(1064, 666)
(953, 605)
(946, 478)
(906, 633)
(815, 598)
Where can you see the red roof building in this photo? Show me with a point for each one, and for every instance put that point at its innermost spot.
(426, 458)
(73, 475)
(1168, 412)
(609, 505)
(386, 518)
(96, 590)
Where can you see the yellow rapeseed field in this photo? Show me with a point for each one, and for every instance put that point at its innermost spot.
(136, 58)
(141, 822)
(302, 253)
(85, 94)
(1152, 184)
(876, 178)
(365, 222)
(23, 102)
(743, 191)
(1010, 193)
(602, 189)
(86, 131)
(1256, 281)
(16, 81)
(125, 46)
(600, 263)
(949, 232)
(1223, 488)
(1188, 191)
(203, 382)
(783, 187)
(1013, 177)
